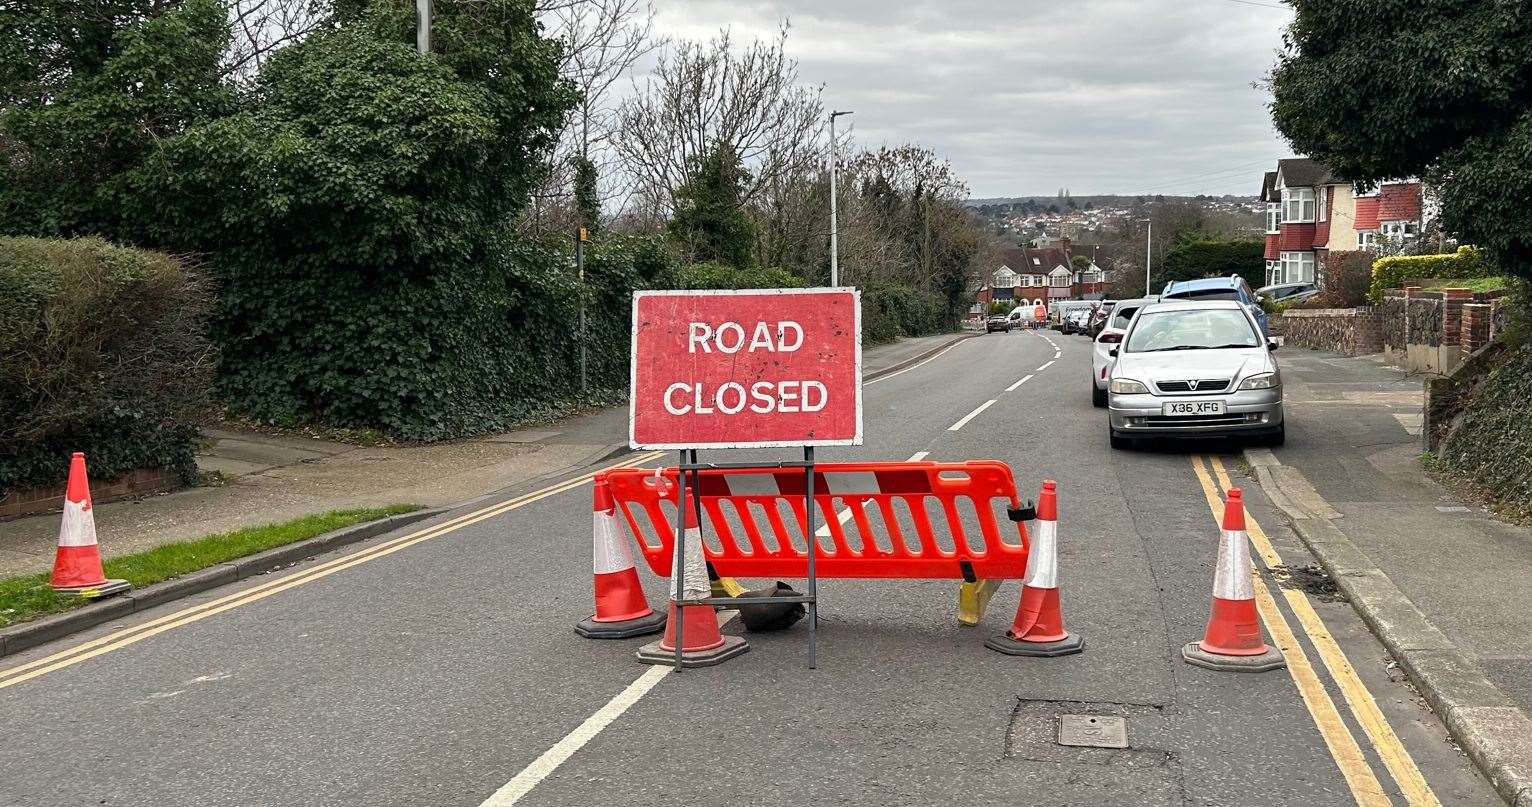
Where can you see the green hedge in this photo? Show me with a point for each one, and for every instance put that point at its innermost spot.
(1391, 272)
(893, 312)
(1492, 447)
(103, 349)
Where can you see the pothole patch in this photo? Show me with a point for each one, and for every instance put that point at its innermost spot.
(1311, 579)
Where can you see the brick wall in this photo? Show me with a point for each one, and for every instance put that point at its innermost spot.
(1422, 331)
(31, 501)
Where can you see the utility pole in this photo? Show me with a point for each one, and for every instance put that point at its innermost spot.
(1148, 254)
(423, 26)
(581, 237)
(834, 223)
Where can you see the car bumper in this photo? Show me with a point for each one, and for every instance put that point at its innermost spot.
(1247, 411)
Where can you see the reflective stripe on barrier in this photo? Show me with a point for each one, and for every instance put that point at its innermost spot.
(932, 519)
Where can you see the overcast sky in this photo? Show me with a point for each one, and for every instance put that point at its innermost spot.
(1027, 96)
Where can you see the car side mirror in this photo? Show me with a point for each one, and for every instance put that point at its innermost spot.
(1272, 344)
(1112, 352)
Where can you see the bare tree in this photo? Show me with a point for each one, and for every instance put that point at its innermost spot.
(259, 28)
(702, 95)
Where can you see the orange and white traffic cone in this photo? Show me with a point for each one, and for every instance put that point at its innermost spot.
(1233, 637)
(621, 608)
(1039, 626)
(702, 643)
(77, 563)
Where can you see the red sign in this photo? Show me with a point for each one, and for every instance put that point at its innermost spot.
(746, 368)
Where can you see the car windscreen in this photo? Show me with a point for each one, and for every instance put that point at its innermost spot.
(1192, 329)
(1122, 317)
(1205, 294)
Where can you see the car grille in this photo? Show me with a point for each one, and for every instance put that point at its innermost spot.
(1161, 421)
(1203, 385)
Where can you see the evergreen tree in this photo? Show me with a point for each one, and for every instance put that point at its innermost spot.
(710, 221)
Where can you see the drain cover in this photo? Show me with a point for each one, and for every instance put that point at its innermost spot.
(1093, 731)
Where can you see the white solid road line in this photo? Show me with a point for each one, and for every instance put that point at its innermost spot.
(913, 366)
(1046, 366)
(542, 767)
(1024, 379)
(971, 415)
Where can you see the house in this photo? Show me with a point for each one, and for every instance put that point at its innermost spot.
(1041, 275)
(1310, 213)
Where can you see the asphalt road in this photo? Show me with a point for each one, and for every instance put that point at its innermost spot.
(434, 667)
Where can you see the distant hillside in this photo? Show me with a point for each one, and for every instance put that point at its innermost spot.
(1106, 200)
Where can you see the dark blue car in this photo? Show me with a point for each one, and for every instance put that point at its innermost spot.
(1232, 287)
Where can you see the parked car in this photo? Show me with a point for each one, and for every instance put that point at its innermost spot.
(1198, 368)
(998, 322)
(1099, 316)
(1110, 337)
(1232, 287)
(1075, 321)
(1287, 292)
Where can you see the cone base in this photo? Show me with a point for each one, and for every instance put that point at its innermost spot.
(1069, 645)
(1270, 659)
(105, 588)
(732, 646)
(653, 622)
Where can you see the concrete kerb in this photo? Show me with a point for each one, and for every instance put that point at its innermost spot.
(17, 638)
(914, 360)
(1496, 734)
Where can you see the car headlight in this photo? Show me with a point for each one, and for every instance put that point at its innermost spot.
(1262, 381)
(1127, 386)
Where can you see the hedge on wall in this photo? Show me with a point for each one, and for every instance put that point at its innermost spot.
(1391, 272)
(1491, 446)
(103, 349)
(892, 312)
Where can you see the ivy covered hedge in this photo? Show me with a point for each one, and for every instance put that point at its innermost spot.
(1391, 272)
(1491, 446)
(894, 312)
(102, 350)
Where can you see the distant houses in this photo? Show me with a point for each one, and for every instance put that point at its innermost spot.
(1037, 276)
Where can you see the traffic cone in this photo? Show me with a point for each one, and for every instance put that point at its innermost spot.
(1039, 627)
(77, 563)
(703, 644)
(621, 609)
(1233, 637)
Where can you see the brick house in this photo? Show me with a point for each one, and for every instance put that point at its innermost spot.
(1041, 275)
(1310, 213)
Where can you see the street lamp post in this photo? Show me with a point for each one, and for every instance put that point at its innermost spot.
(423, 26)
(834, 224)
(1148, 253)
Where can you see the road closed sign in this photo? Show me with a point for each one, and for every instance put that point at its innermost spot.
(746, 368)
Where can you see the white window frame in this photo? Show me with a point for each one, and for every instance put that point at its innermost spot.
(1273, 218)
(1398, 229)
(1297, 267)
(1061, 281)
(1367, 239)
(1273, 273)
(1298, 205)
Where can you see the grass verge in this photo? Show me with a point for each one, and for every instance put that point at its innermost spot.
(1470, 283)
(29, 597)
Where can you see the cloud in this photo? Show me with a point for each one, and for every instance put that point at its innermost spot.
(1025, 97)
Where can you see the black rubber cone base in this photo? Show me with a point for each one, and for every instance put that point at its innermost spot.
(1270, 660)
(732, 646)
(628, 628)
(1070, 644)
(98, 591)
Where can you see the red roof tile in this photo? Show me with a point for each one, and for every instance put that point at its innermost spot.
(1399, 202)
(1273, 246)
(1366, 213)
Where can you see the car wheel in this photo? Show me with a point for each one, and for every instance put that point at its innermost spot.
(1278, 437)
(1119, 442)
(1097, 396)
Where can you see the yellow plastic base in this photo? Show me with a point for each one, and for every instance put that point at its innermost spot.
(973, 598)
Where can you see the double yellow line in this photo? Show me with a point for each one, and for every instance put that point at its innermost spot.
(1358, 773)
(137, 633)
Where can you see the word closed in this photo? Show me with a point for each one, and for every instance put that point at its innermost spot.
(746, 368)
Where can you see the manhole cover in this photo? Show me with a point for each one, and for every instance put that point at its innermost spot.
(1093, 731)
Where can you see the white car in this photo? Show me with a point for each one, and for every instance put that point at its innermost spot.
(1111, 336)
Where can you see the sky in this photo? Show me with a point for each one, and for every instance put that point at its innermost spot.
(1029, 96)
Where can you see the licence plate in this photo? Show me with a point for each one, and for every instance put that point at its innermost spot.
(1192, 408)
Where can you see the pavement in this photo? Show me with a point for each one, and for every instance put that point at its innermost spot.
(437, 665)
(1443, 581)
(272, 478)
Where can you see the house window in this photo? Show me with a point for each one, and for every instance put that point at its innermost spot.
(1273, 217)
(1399, 229)
(1298, 204)
(1367, 239)
(1297, 267)
(1059, 279)
(1037, 261)
(1273, 273)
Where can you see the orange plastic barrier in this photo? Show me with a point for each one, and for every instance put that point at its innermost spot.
(746, 533)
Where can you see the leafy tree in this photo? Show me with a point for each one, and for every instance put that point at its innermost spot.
(586, 197)
(1194, 259)
(1433, 88)
(1080, 262)
(87, 96)
(710, 221)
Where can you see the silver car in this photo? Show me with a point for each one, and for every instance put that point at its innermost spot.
(1195, 369)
